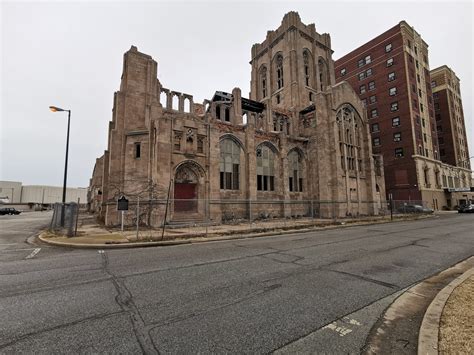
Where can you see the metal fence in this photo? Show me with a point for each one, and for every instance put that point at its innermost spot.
(152, 219)
(65, 218)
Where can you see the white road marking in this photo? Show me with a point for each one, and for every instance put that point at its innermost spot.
(33, 253)
(340, 329)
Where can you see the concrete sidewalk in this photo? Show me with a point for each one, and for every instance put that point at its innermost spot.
(92, 235)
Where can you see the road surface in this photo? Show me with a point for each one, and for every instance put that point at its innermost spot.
(295, 292)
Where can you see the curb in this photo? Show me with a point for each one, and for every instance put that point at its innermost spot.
(429, 330)
(125, 245)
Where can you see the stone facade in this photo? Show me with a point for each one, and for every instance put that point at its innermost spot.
(300, 137)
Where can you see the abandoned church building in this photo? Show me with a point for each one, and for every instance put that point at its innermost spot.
(299, 141)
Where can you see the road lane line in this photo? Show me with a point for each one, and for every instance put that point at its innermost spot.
(33, 253)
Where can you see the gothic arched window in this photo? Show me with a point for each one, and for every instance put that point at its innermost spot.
(229, 164)
(295, 173)
(265, 169)
(349, 139)
(263, 81)
(306, 67)
(323, 74)
(279, 71)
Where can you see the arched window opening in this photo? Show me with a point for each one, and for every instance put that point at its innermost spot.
(175, 102)
(187, 105)
(295, 179)
(323, 75)
(279, 71)
(263, 82)
(229, 165)
(265, 169)
(349, 140)
(306, 67)
(164, 99)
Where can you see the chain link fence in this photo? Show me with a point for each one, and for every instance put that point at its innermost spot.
(160, 219)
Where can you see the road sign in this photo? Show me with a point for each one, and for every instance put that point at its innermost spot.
(122, 204)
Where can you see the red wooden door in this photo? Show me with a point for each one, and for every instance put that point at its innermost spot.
(185, 197)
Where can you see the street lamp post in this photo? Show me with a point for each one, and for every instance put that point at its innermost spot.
(57, 109)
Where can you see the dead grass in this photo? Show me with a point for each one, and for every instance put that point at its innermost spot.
(456, 334)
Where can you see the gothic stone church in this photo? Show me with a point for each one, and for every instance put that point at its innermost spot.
(299, 141)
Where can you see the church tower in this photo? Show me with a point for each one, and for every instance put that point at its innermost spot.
(291, 65)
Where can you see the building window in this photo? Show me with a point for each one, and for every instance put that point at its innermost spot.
(397, 137)
(417, 119)
(433, 84)
(424, 137)
(399, 152)
(364, 101)
(368, 72)
(278, 98)
(362, 76)
(392, 91)
(372, 85)
(389, 62)
(416, 50)
(375, 127)
(374, 113)
(295, 179)
(229, 165)
(306, 67)
(343, 71)
(417, 64)
(263, 81)
(395, 121)
(362, 89)
(361, 63)
(418, 78)
(218, 112)
(200, 144)
(265, 169)
(388, 48)
(376, 141)
(391, 76)
(394, 106)
(138, 149)
(372, 99)
(279, 71)
(421, 107)
(227, 114)
(368, 59)
(423, 122)
(419, 92)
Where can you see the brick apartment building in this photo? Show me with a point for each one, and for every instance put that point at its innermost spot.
(449, 117)
(392, 76)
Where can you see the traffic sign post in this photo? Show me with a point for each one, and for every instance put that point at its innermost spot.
(122, 205)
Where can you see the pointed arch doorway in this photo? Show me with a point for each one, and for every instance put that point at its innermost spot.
(188, 190)
(185, 191)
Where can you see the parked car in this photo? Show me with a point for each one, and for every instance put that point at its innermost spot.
(469, 208)
(414, 209)
(8, 210)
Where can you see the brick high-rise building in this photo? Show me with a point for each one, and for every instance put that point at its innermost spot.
(392, 76)
(449, 117)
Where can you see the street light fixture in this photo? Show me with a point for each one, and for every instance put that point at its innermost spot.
(57, 109)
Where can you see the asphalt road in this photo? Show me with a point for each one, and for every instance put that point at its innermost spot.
(318, 291)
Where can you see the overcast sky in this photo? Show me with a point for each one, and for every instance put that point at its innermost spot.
(70, 55)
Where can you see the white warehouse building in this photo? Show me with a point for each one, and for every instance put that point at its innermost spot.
(15, 192)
